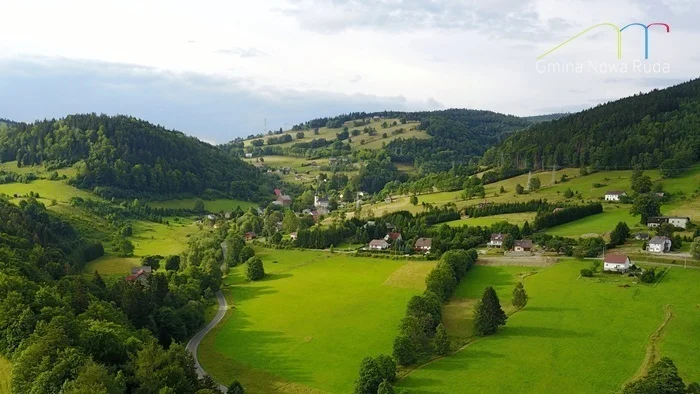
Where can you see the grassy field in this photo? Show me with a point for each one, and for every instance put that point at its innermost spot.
(370, 142)
(48, 190)
(40, 171)
(310, 322)
(5, 375)
(514, 218)
(599, 224)
(218, 205)
(304, 171)
(581, 335)
(686, 184)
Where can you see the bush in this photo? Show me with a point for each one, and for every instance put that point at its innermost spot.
(255, 270)
(649, 275)
(586, 273)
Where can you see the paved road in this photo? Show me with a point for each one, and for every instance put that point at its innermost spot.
(193, 344)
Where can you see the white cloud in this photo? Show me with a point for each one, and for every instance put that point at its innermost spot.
(472, 53)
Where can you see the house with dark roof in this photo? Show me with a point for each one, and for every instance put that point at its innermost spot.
(641, 236)
(250, 235)
(283, 200)
(614, 195)
(659, 244)
(676, 221)
(423, 245)
(321, 202)
(496, 240)
(616, 263)
(522, 245)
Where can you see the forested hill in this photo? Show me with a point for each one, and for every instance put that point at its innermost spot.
(458, 137)
(657, 129)
(7, 122)
(126, 157)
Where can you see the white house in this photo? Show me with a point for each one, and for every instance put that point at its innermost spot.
(676, 221)
(321, 202)
(378, 244)
(659, 244)
(496, 240)
(616, 263)
(614, 195)
(248, 155)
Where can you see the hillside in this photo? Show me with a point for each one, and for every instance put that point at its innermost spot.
(657, 129)
(123, 156)
(428, 140)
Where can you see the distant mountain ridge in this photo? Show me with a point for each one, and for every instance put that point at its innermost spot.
(659, 128)
(121, 156)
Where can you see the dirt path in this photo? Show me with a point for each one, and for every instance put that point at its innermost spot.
(193, 344)
(653, 353)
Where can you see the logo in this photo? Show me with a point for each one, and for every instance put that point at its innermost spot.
(618, 33)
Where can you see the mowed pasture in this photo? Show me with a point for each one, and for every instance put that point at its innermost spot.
(581, 335)
(309, 323)
(370, 142)
(683, 186)
(513, 218)
(148, 237)
(5, 376)
(217, 205)
(40, 171)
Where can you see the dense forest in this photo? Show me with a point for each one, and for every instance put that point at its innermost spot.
(65, 332)
(123, 156)
(652, 130)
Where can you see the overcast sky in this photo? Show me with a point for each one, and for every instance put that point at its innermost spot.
(218, 69)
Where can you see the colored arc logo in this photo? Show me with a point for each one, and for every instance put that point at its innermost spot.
(618, 32)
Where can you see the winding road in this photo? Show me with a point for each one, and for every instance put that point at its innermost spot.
(193, 344)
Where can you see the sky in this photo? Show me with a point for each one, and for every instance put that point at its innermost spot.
(220, 69)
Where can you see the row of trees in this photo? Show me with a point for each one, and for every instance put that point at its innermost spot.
(503, 208)
(565, 215)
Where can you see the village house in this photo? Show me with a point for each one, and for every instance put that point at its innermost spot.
(496, 240)
(378, 244)
(139, 274)
(676, 221)
(283, 200)
(250, 235)
(557, 210)
(293, 236)
(614, 195)
(389, 226)
(659, 244)
(393, 237)
(248, 155)
(423, 245)
(321, 202)
(522, 245)
(278, 192)
(616, 263)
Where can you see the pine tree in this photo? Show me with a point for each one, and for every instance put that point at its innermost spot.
(235, 388)
(442, 342)
(519, 296)
(489, 314)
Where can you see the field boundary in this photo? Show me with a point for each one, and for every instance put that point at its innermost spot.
(652, 353)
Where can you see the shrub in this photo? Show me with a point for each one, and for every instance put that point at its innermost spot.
(586, 272)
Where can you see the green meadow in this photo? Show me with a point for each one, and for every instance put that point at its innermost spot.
(5, 375)
(310, 322)
(599, 224)
(580, 335)
(217, 205)
(513, 218)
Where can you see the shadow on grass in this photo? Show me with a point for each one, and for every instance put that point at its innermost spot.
(540, 332)
(548, 309)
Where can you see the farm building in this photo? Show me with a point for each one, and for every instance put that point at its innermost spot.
(496, 240)
(378, 244)
(522, 245)
(139, 274)
(393, 237)
(676, 221)
(423, 245)
(616, 263)
(614, 195)
(283, 200)
(659, 244)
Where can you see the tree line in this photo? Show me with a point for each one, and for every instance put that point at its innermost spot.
(545, 220)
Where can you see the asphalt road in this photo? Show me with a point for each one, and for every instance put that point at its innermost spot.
(193, 344)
